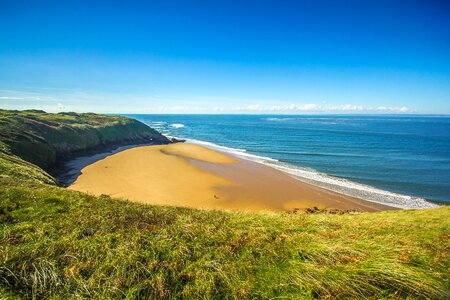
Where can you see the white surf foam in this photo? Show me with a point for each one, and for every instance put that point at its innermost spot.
(279, 119)
(177, 125)
(326, 181)
(354, 189)
(242, 153)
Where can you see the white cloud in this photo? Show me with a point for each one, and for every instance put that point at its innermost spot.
(254, 107)
(76, 100)
(20, 98)
(311, 106)
(321, 108)
(10, 98)
(350, 107)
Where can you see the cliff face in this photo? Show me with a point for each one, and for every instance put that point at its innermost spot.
(48, 139)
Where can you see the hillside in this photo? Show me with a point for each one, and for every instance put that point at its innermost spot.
(56, 243)
(46, 139)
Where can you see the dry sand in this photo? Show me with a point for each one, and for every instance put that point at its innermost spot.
(194, 176)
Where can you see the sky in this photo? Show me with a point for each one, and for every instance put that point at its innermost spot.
(274, 57)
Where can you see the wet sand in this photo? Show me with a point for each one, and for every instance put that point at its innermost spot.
(194, 176)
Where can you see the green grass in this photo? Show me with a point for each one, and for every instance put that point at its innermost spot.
(68, 244)
(13, 167)
(61, 244)
(45, 139)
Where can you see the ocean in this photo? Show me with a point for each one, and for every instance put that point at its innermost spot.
(387, 158)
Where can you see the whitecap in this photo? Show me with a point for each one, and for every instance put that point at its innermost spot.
(279, 119)
(354, 189)
(336, 184)
(234, 151)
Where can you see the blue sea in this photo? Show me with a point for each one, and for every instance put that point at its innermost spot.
(365, 156)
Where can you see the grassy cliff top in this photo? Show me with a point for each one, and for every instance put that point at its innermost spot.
(45, 139)
(64, 118)
(58, 244)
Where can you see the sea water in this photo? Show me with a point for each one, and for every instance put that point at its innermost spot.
(387, 159)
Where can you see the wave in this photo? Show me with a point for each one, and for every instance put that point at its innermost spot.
(336, 184)
(354, 189)
(242, 153)
(422, 119)
(320, 154)
(327, 121)
(279, 119)
(177, 125)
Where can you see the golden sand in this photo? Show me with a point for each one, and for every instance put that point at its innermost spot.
(194, 176)
(198, 153)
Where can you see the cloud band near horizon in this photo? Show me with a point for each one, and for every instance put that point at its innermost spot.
(88, 102)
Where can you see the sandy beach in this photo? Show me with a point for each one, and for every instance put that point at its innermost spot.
(190, 175)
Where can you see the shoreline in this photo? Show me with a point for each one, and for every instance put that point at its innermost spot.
(254, 178)
(334, 184)
(341, 201)
(74, 167)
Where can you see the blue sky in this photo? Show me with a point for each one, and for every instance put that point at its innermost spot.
(293, 57)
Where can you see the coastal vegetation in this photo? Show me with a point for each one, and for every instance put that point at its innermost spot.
(57, 243)
(47, 139)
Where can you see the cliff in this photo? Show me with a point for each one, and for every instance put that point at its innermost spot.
(46, 139)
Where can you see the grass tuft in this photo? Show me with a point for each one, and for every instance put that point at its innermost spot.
(65, 243)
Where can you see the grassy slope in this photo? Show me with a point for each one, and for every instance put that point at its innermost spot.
(56, 243)
(14, 167)
(44, 139)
